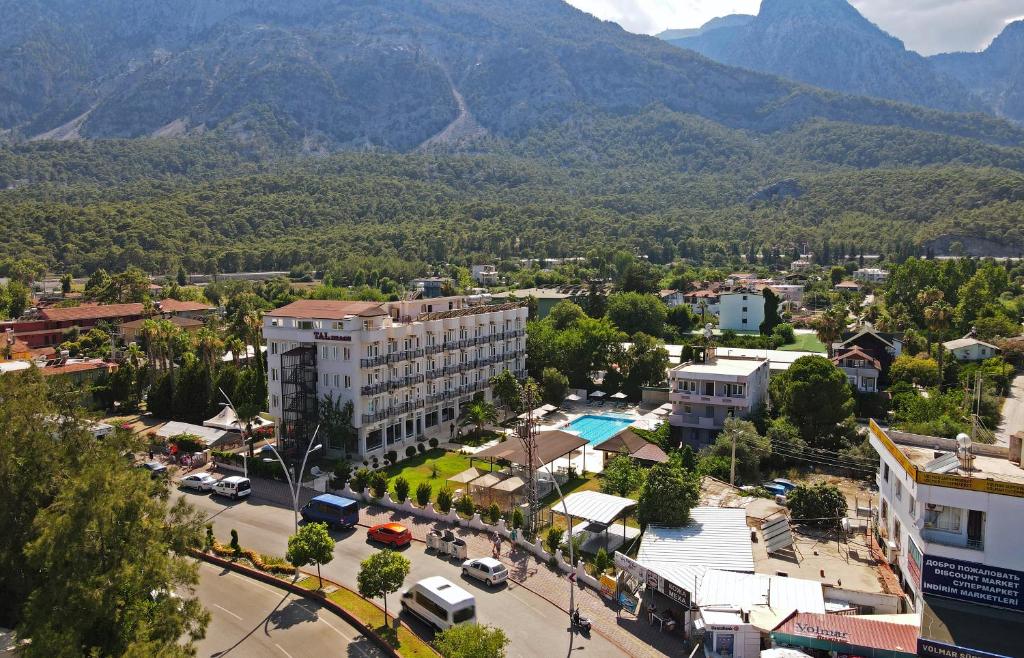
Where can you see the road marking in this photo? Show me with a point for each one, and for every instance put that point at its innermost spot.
(227, 611)
(351, 640)
(282, 650)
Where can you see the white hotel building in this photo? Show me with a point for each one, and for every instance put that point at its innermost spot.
(407, 367)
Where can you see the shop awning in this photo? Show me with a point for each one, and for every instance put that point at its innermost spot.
(856, 635)
(594, 506)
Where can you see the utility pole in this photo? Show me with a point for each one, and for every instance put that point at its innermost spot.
(528, 437)
(732, 467)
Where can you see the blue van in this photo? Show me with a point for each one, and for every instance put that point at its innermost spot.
(335, 511)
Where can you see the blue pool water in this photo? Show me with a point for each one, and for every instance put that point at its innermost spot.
(596, 429)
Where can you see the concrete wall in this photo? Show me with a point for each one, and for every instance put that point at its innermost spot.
(881, 603)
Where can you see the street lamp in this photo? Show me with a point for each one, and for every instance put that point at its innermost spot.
(294, 486)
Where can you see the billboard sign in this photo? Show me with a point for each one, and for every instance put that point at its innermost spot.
(972, 582)
(932, 649)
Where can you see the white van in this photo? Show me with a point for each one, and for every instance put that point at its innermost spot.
(440, 602)
(235, 487)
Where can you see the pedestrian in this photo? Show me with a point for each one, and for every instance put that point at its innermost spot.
(452, 431)
(150, 454)
(496, 551)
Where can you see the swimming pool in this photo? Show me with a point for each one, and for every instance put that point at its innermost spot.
(596, 429)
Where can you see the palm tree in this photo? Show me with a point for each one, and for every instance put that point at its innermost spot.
(209, 346)
(938, 316)
(478, 414)
(234, 345)
(830, 326)
(133, 355)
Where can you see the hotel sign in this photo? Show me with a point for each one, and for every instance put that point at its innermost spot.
(972, 582)
(323, 335)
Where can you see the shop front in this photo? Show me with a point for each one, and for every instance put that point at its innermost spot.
(845, 635)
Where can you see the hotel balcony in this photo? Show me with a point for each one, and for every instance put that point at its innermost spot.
(717, 400)
(693, 420)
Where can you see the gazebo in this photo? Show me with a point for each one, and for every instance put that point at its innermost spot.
(550, 446)
(597, 511)
(628, 443)
(466, 476)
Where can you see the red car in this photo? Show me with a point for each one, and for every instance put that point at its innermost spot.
(392, 534)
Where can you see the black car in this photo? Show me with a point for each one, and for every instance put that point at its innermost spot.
(156, 469)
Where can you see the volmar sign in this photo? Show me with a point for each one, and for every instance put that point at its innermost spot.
(323, 335)
(972, 582)
(933, 649)
(821, 631)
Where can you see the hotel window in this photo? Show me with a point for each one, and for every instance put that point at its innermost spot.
(347, 353)
(334, 352)
(899, 490)
(885, 472)
(305, 324)
(337, 380)
(734, 390)
(912, 507)
(273, 347)
(273, 374)
(273, 400)
(327, 379)
(348, 382)
(939, 517)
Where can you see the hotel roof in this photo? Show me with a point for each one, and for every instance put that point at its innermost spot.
(326, 309)
(733, 367)
(105, 311)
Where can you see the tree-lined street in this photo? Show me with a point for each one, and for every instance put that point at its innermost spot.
(535, 626)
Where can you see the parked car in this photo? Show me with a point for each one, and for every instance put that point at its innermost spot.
(199, 481)
(788, 485)
(440, 603)
(393, 534)
(234, 487)
(485, 569)
(156, 469)
(774, 488)
(335, 511)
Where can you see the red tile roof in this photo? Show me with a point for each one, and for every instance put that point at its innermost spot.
(856, 352)
(328, 309)
(851, 630)
(70, 368)
(112, 311)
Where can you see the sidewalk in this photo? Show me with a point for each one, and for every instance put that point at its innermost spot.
(634, 636)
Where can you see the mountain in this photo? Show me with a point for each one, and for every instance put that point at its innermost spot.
(827, 43)
(732, 20)
(397, 74)
(996, 75)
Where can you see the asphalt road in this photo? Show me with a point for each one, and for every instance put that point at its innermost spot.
(1012, 420)
(250, 619)
(534, 626)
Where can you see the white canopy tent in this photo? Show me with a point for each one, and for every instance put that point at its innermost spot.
(227, 420)
(619, 396)
(572, 397)
(597, 394)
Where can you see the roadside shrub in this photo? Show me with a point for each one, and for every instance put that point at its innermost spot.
(361, 480)
(602, 562)
(493, 513)
(444, 500)
(391, 456)
(420, 448)
(423, 493)
(410, 451)
(401, 489)
(209, 537)
(236, 548)
(433, 470)
(465, 506)
(342, 471)
(517, 518)
(378, 484)
(577, 548)
(432, 442)
(554, 539)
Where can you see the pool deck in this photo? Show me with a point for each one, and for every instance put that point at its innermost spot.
(589, 460)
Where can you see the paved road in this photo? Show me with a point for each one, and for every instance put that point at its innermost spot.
(535, 627)
(253, 620)
(1012, 420)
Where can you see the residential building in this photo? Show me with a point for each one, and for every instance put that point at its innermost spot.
(949, 518)
(486, 275)
(740, 279)
(433, 286)
(883, 347)
(13, 348)
(741, 311)
(52, 323)
(703, 301)
(970, 349)
(871, 274)
(408, 367)
(705, 394)
(548, 297)
(789, 292)
(672, 298)
(130, 330)
(862, 370)
(801, 264)
(79, 374)
(847, 286)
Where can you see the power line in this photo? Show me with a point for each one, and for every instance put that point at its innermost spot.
(824, 463)
(837, 461)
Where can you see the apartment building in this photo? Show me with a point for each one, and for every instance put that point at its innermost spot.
(861, 369)
(705, 394)
(486, 275)
(872, 274)
(949, 518)
(408, 367)
(741, 311)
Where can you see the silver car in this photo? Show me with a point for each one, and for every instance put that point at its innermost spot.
(485, 569)
(199, 481)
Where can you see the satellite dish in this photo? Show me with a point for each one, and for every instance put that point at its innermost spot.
(963, 442)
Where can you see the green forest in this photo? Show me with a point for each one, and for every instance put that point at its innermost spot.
(662, 184)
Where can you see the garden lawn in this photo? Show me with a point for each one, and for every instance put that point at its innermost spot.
(417, 469)
(805, 343)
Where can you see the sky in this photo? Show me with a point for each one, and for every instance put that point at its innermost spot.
(926, 26)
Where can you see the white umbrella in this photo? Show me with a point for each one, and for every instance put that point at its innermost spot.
(597, 394)
(547, 408)
(660, 412)
(667, 406)
(573, 397)
(619, 396)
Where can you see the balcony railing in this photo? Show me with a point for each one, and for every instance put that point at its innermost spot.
(693, 420)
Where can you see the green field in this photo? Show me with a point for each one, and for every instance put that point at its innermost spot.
(805, 343)
(418, 469)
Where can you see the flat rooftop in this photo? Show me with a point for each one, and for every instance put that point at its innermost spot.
(733, 367)
(990, 462)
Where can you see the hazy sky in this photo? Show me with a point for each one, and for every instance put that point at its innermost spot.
(927, 26)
